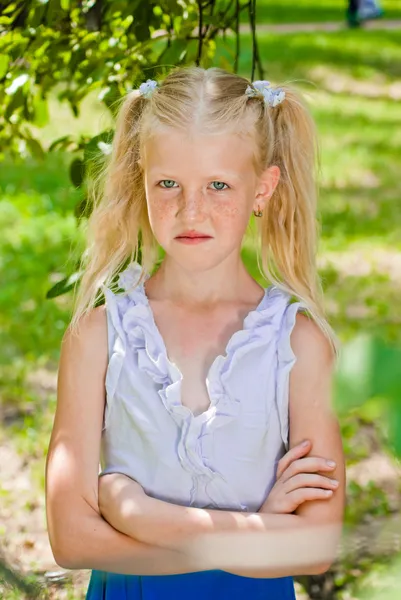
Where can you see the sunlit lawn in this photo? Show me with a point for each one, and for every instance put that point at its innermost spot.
(310, 11)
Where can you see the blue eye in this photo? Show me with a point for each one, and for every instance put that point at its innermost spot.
(168, 187)
(221, 183)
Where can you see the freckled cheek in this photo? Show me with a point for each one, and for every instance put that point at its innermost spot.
(161, 212)
(231, 216)
(229, 211)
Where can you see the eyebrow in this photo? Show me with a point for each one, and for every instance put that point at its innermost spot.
(213, 177)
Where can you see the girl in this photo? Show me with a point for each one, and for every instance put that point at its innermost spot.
(195, 385)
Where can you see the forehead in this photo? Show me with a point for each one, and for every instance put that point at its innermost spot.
(171, 150)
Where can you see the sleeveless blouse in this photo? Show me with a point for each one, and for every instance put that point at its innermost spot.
(224, 458)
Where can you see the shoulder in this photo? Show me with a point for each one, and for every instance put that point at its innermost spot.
(311, 347)
(312, 374)
(89, 325)
(87, 339)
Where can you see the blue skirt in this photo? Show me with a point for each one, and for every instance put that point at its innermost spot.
(213, 585)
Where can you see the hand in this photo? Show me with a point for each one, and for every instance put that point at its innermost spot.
(297, 481)
(114, 489)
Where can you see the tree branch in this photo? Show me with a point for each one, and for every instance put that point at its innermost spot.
(200, 35)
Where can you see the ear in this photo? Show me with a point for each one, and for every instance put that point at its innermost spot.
(267, 184)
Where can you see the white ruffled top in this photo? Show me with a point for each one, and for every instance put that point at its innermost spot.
(226, 457)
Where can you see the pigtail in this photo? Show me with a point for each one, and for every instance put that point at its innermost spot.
(290, 228)
(119, 211)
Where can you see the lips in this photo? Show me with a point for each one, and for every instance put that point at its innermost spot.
(192, 235)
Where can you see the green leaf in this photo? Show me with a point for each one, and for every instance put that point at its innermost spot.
(63, 286)
(65, 4)
(17, 100)
(61, 142)
(41, 113)
(35, 148)
(77, 172)
(177, 22)
(4, 62)
(10, 8)
(37, 15)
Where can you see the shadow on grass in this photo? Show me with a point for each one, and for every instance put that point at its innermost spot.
(15, 582)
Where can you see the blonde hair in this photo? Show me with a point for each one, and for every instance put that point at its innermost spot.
(209, 100)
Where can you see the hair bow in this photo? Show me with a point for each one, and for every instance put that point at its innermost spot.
(263, 88)
(148, 87)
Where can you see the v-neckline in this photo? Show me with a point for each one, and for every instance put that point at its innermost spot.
(220, 357)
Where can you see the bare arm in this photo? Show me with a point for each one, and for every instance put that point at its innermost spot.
(227, 540)
(79, 536)
(312, 416)
(172, 526)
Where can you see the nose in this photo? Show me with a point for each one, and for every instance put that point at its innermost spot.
(192, 206)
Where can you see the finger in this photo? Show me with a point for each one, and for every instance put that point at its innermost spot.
(302, 495)
(308, 464)
(295, 452)
(304, 480)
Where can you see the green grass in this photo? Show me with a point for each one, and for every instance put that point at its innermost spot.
(362, 55)
(311, 11)
(38, 238)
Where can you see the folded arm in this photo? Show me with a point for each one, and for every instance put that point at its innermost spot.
(242, 543)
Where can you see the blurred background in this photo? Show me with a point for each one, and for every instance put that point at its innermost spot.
(63, 66)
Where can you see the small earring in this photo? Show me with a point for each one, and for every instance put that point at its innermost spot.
(258, 213)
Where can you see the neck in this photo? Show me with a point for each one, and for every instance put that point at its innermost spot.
(224, 283)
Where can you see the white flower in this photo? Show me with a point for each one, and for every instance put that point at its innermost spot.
(147, 88)
(105, 148)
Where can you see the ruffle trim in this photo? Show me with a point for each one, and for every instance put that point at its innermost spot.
(135, 324)
(285, 361)
(117, 345)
